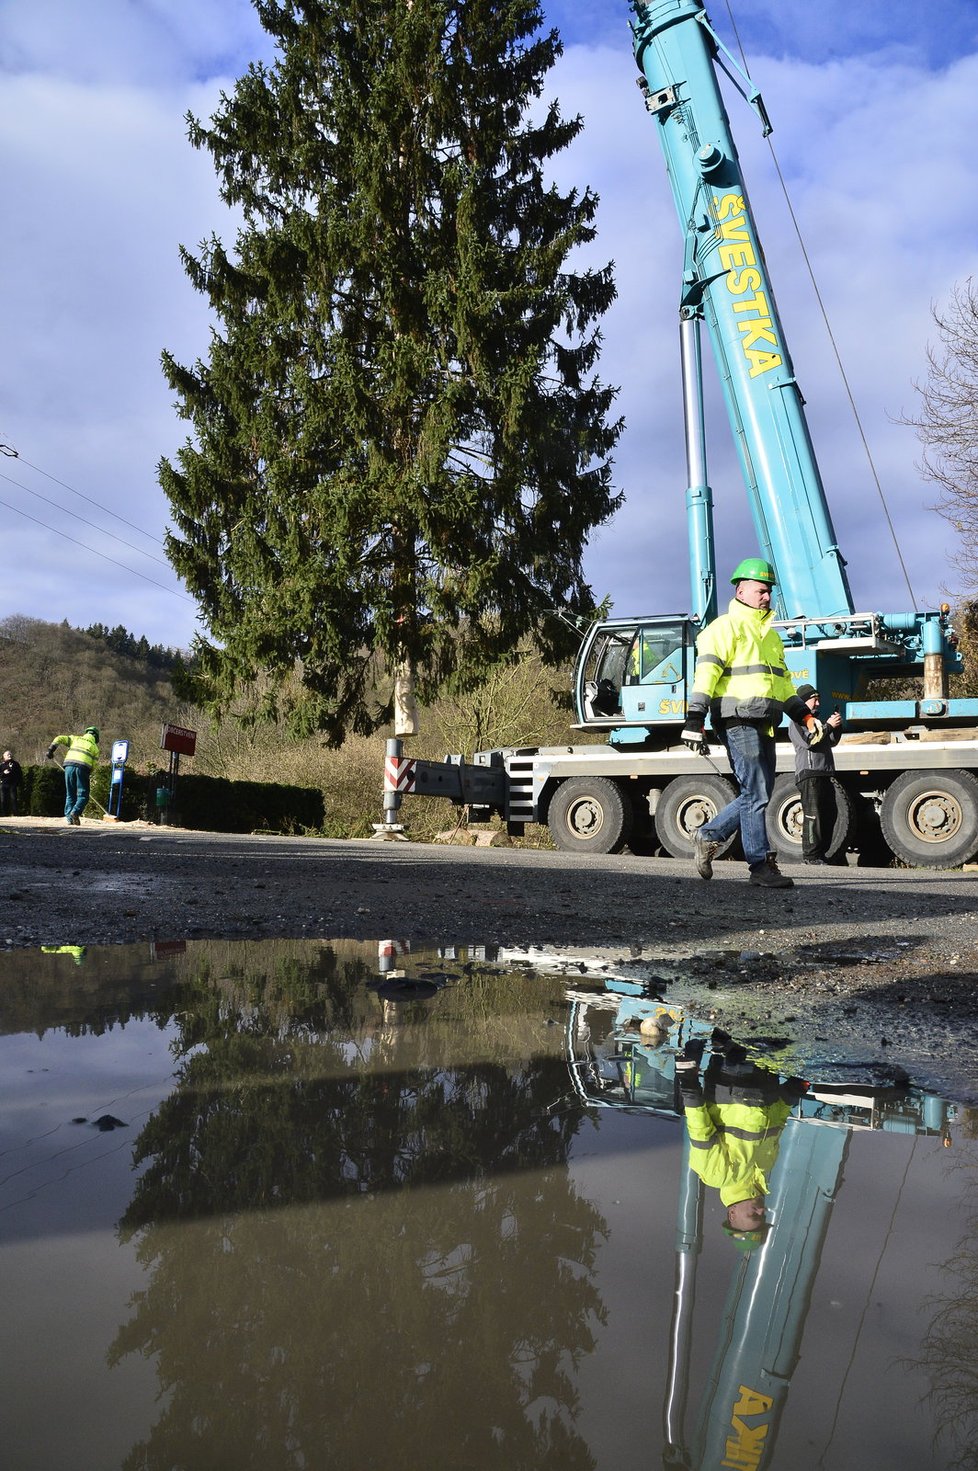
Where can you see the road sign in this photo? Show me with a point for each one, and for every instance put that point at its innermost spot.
(177, 738)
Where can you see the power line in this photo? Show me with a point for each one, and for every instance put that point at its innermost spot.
(58, 507)
(65, 486)
(172, 591)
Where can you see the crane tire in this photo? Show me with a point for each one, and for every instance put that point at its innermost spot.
(685, 805)
(930, 818)
(784, 819)
(589, 814)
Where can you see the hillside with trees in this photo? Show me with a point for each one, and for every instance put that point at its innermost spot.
(56, 679)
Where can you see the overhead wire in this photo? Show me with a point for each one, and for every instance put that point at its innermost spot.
(58, 507)
(831, 336)
(81, 495)
(95, 552)
(11, 452)
(887, 1237)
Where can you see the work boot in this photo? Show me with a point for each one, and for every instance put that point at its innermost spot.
(704, 852)
(767, 875)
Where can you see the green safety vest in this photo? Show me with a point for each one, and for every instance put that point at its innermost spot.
(82, 749)
(733, 1146)
(740, 667)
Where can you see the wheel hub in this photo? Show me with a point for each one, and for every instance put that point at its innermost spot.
(694, 813)
(935, 817)
(585, 817)
(790, 819)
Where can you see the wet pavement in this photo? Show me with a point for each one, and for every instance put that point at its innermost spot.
(328, 1202)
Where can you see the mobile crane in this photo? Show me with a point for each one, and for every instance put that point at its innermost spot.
(913, 762)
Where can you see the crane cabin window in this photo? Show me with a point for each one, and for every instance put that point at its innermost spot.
(658, 653)
(635, 654)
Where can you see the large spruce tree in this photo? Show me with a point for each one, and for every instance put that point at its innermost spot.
(399, 444)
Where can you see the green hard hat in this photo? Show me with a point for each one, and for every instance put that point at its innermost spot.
(747, 1240)
(753, 569)
(92, 730)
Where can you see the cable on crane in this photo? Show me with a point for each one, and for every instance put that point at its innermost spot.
(831, 337)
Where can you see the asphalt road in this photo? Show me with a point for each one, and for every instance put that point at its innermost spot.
(879, 964)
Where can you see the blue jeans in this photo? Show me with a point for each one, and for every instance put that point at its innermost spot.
(752, 756)
(78, 779)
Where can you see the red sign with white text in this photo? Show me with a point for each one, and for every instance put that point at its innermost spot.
(177, 738)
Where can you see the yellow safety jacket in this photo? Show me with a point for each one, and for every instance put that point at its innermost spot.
(77, 952)
(740, 669)
(733, 1146)
(82, 749)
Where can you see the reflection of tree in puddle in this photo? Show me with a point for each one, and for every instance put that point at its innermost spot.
(361, 1241)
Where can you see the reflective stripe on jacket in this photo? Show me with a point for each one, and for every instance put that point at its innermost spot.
(740, 668)
(733, 1146)
(82, 749)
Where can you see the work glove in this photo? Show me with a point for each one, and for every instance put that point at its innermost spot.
(49, 753)
(688, 1074)
(693, 736)
(814, 730)
(688, 1061)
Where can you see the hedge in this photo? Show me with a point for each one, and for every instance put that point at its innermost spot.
(202, 802)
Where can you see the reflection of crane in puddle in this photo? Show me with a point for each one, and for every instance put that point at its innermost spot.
(622, 1052)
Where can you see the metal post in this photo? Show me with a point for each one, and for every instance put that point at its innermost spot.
(390, 828)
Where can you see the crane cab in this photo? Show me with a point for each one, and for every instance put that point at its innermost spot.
(632, 678)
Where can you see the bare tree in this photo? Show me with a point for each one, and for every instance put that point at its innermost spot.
(948, 423)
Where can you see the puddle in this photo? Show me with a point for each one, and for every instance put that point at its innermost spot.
(328, 1203)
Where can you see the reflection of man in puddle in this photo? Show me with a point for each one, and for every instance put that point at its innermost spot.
(77, 952)
(735, 1115)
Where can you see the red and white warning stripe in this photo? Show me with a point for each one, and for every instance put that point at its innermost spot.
(399, 773)
(392, 949)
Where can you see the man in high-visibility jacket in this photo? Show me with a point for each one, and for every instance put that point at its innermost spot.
(742, 683)
(81, 758)
(735, 1116)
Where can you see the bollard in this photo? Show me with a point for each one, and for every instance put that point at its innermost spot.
(390, 828)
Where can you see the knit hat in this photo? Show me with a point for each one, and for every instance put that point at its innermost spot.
(805, 691)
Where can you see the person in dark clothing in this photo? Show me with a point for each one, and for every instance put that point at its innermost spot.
(814, 766)
(11, 777)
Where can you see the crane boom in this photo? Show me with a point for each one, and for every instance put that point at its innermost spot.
(725, 282)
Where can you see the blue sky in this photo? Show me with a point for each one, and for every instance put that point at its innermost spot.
(874, 107)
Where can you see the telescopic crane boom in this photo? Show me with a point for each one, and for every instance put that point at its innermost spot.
(725, 283)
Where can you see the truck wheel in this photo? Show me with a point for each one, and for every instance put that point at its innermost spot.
(930, 818)
(685, 805)
(784, 819)
(589, 815)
